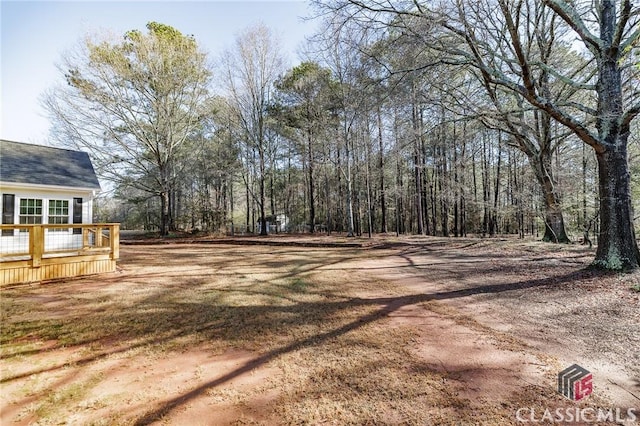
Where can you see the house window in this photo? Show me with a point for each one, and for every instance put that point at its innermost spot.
(8, 207)
(58, 212)
(77, 214)
(30, 211)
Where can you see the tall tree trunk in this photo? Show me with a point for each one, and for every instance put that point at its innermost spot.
(399, 187)
(349, 178)
(263, 215)
(312, 206)
(417, 166)
(272, 195)
(456, 184)
(340, 219)
(553, 217)
(443, 188)
(495, 229)
(165, 201)
(398, 199)
(369, 207)
(248, 200)
(486, 191)
(327, 194)
(231, 206)
(418, 193)
(430, 203)
(617, 246)
(172, 210)
(383, 201)
(368, 155)
(584, 188)
(164, 213)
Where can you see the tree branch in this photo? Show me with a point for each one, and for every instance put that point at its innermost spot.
(572, 18)
(630, 114)
(625, 14)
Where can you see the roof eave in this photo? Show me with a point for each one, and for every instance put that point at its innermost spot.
(49, 188)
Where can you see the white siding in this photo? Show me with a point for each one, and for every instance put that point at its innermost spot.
(45, 196)
(54, 240)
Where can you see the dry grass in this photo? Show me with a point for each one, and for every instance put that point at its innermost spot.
(336, 361)
(317, 325)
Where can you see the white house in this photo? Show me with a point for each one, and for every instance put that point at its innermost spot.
(44, 185)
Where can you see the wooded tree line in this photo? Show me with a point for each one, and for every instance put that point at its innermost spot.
(452, 119)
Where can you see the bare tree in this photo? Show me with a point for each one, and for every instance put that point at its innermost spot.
(340, 52)
(464, 33)
(607, 126)
(132, 104)
(250, 70)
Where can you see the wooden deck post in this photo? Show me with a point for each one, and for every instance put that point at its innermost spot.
(85, 238)
(36, 245)
(98, 241)
(114, 241)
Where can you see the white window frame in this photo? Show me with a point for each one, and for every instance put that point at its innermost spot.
(34, 216)
(59, 217)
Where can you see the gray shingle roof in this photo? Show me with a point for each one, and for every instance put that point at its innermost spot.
(43, 165)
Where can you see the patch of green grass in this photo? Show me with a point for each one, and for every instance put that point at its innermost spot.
(636, 288)
(65, 397)
(299, 285)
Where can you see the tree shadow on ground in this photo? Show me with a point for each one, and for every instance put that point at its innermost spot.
(383, 307)
(170, 311)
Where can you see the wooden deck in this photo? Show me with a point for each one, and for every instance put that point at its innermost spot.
(35, 253)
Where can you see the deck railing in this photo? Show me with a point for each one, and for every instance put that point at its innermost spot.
(89, 248)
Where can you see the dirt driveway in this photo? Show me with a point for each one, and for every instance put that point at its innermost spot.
(409, 331)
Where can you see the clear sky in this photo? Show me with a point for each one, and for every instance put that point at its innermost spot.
(34, 35)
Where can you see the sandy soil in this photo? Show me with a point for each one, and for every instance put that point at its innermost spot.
(484, 325)
(546, 299)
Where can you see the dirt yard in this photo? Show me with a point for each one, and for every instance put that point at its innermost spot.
(415, 331)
